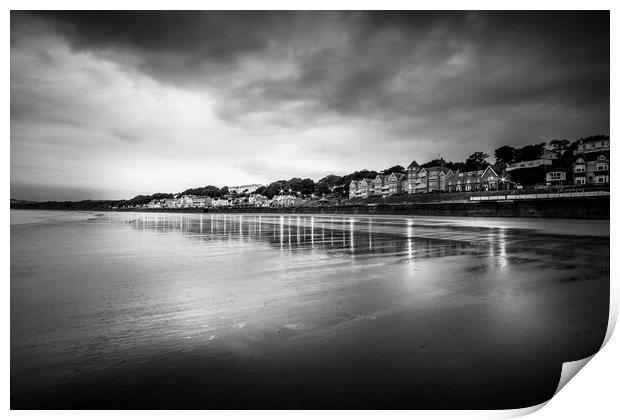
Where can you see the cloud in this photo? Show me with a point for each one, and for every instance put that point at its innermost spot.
(329, 91)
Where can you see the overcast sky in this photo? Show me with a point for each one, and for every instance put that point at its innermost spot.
(112, 104)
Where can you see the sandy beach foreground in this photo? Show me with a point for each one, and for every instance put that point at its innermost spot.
(251, 311)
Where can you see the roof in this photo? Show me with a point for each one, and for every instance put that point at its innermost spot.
(413, 164)
(492, 170)
(396, 175)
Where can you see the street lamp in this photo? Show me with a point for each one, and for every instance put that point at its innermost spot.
(504, 180)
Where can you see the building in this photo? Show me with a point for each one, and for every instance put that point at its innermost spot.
(489, 180)
(418, 181)
(436, 178)
(412, 176)
(529, 164)
(201, 201)
(155, 204)
(422, 180)
(366, 188)
(556, 176)
(221, 202)
(254, 199)
(244, 189)
(353, 189)
(396, 182)
(285, 201)
(170, 203)
(591, 166)
(185, 201)
(378, 186)
(260, 201)
(481, 180)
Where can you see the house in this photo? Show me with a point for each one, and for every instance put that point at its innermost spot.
(465, 181)
(221, 202)
(378, 183)
(366, 187)
(418, 182)
(591, 169)
(201, 201)
(254, 199)
(260, 201)
(323, 202)
(436, 178)
(489, 179)
(412, 171)
(529, 164)
(395, 183)
(556, 176)
(285, 201)
(591, 165)
(532, 172)
(155, 204)
(186, 201)
(170, 203)
(244, 189)
(353, 189)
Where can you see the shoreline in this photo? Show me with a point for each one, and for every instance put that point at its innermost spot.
(596, 208)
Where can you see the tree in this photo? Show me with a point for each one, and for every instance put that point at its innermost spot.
(434, 162)
(307, 186)
(475, 162)
(559, 146)
(396, 168)
(505, 155)
(294, 184)
(328, 183)
(530, 152)
(274, 188)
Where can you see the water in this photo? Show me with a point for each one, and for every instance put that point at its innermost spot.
(125, 310)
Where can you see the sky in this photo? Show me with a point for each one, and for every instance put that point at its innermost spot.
(108, 105)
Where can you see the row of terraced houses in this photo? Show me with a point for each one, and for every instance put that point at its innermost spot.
(590, 166)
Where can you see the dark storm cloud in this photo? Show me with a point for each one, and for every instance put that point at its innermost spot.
(349, 89)
(445, 61)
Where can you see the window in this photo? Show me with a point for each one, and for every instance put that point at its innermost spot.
(580, 168)
(601, 179)
(602, 157)
(554, 176)
(602, 167)
(467, 187)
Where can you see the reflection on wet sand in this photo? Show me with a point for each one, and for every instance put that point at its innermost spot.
(160, 310)
(352, 236)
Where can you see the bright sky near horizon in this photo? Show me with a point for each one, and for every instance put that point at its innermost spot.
(109, 105)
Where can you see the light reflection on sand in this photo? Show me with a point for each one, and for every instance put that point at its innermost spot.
(120, 289)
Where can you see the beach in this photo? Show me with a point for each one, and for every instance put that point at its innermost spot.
(156, 310)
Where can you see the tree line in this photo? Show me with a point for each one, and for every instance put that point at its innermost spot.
(337, 186)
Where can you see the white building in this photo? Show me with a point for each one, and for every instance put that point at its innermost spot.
(201, 202)
(244, 189)
(220, 202)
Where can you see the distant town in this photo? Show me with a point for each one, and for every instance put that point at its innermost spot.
(541, 166)
(560, 167)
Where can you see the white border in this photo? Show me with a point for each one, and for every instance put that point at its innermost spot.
(592, 394)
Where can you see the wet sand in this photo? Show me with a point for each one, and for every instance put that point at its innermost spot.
(184, 311)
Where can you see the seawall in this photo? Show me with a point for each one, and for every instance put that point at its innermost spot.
(565, 208)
